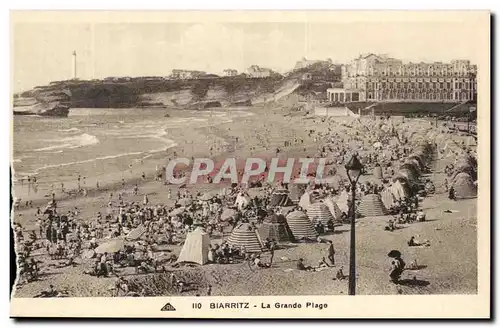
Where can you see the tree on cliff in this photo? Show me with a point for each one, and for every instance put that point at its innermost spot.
(199, 90)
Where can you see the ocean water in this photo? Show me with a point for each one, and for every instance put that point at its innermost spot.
(99, 140)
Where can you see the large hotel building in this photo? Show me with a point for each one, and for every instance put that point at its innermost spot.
(381, 78)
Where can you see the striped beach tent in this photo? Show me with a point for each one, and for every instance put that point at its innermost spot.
(279, 197)
(371, 205)
(388, 198)
(334, 208)
(244, 236)
(319, 212)
(275, 227)
(300, 225)
(398, 190)
(464, 186)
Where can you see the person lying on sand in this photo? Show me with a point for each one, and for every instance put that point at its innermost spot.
(412, 242)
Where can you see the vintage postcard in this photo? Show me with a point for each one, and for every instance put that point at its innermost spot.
(251, 164)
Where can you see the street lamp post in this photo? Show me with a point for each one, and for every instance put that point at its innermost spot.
(354, 169)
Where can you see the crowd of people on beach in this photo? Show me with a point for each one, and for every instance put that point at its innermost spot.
(147, 230)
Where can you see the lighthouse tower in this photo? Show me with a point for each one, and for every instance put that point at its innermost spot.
(73, 66)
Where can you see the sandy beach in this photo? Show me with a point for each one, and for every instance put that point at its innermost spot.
(448, 266)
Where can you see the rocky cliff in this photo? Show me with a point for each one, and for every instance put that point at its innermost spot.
(152, 92)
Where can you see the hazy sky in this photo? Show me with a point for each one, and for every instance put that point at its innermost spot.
(42, 51)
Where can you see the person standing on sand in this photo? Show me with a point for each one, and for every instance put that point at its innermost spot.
(97, 185)
(123, 183)
(272, 247)
(331, 253)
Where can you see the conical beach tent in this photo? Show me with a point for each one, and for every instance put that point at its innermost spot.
(319, 212)
(280, 198)
(371, 205)
(300, 225)
(195, 248)
(334, 208)
(244, 236)
(305, 200)
(388, 198)
(275, 227)
(342, 201)
(464, 186)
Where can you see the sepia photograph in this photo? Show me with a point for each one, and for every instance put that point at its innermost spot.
(213, 156)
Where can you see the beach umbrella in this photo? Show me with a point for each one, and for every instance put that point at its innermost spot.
(88, 254)
(227, 214)
(136, 233)
(185, 202)
(394, 253)
(111, 246)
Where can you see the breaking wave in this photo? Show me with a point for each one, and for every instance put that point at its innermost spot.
(81, 140)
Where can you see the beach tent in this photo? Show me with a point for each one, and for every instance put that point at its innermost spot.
(319, 212)
(464, 186)
(399, 189)
(241, 201)
(334, 208)
(300, 225)
(305, 200)
(296, 191)
(371, 205)
(280, 198)
(467, 164)
(342, 201)
(275, 227)
(388, 198)
(377, 172)
(244, 236)
(195, 248)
